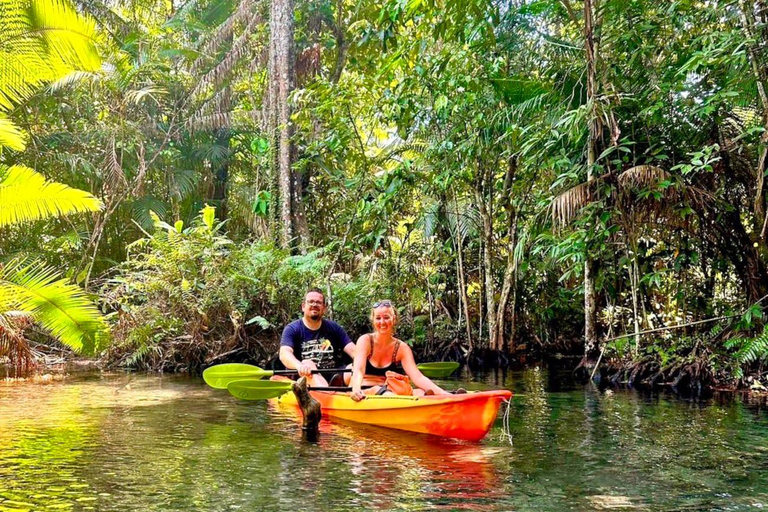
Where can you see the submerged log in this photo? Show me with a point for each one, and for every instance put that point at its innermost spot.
(310, 407)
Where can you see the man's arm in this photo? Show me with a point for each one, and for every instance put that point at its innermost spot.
(292, 363)
(349, 349)
(287, 355)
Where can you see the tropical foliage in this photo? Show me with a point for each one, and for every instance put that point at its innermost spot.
(528, 176)
(40, 41)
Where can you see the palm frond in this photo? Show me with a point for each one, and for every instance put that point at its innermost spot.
(183, 181)
(642, 176)
(567, 205)
(61, 308)
(26, 196)
(70, 79)
(114, 175)
(201, 123)
(11, 136)
(748, 350)
(41, 41)
(137, 95)
(141, 211)
(222, 70)
(235, 119)
(224, 32)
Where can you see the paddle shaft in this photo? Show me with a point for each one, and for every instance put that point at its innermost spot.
(326, 371)
(335, 388)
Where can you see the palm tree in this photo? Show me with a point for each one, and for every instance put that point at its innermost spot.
(40, 41)
(31, 291)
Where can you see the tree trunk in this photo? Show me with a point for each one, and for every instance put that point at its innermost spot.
(510, 271)
(487, 227)
(735, 243)
(221, 176)
(633, 282)
(271, 128)
(590, 268)
(282, 80)
(757, 45)
(460, 271)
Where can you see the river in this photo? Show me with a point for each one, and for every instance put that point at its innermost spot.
(129, 442)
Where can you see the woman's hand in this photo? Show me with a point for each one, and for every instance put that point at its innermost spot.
(357, 395)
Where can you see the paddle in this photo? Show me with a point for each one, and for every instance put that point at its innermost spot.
(265, 389)
(439, 369)
(221, 375)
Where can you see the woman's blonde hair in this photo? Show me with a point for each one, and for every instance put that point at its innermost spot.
(385, 304)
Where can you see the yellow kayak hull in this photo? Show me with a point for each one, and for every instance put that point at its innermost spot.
(466, 416)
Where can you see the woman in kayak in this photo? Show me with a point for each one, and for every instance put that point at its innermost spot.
(379, 356)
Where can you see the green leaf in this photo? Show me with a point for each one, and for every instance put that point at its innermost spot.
(11, 135)
(208, 214)
(60, 307)
(263, 322)
(27, 196)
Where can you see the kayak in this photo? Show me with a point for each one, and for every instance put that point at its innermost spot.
(466, 416)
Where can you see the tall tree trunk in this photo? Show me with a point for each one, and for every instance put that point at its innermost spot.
(282, 81)
(633, 282)
(510, 271)
(221, 176)
(272, 132)
(590, 267)
(485, 204)
(758, 37)
(460, 271)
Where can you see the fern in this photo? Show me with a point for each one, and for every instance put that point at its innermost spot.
(749, 350)
(137, 356)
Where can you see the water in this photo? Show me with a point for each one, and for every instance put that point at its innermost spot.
(129, 442)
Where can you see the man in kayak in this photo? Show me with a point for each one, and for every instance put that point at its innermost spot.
(312, 342)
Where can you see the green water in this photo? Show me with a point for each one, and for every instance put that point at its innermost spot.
(128, 442)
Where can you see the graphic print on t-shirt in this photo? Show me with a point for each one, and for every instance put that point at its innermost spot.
(320, 351)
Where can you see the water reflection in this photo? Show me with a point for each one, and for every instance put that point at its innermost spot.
(392, 468)
(119, 442)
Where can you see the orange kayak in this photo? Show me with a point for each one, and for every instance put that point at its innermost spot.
(467, 416)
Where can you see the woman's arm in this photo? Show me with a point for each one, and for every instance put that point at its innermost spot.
(362, 348)
(413, 372)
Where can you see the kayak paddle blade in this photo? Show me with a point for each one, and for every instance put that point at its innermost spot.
(438, 370)
(258, 389)
(221, 375)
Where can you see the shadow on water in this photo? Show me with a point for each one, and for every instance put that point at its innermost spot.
(137, 442)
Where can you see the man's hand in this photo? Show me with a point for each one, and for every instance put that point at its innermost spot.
(305, 367)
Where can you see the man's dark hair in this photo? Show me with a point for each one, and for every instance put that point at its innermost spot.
(314, 290)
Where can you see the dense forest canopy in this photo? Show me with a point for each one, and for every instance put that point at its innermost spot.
(523, 176)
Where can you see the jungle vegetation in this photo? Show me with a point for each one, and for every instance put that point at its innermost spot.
(521, 177)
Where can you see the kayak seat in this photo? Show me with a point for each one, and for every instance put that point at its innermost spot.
(336, 380)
